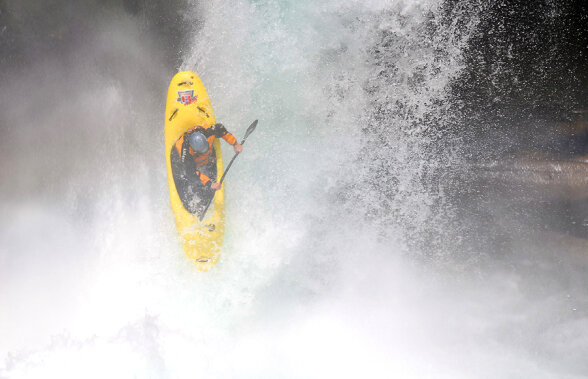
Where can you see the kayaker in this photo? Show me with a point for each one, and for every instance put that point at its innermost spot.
(196, 144)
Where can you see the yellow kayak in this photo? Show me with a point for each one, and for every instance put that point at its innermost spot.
(188, 105)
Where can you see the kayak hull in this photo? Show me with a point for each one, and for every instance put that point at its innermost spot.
(188, 105)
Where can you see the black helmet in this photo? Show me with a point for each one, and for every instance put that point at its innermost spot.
(198, 142)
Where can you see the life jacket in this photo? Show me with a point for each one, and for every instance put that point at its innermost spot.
(211, 132)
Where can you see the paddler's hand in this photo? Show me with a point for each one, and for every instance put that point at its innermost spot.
(215, 186)
(238, 148)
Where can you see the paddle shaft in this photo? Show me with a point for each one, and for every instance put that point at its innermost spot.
(247, 133)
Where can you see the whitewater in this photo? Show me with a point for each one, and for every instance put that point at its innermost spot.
(340, 258)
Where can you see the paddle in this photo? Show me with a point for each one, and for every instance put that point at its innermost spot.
(250, 130)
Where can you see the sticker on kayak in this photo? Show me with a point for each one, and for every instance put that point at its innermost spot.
(187, 97)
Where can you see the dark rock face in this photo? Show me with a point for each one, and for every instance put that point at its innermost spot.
(526, 70)
(35, 30)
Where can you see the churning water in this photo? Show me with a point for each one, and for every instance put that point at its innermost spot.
(348, 252)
